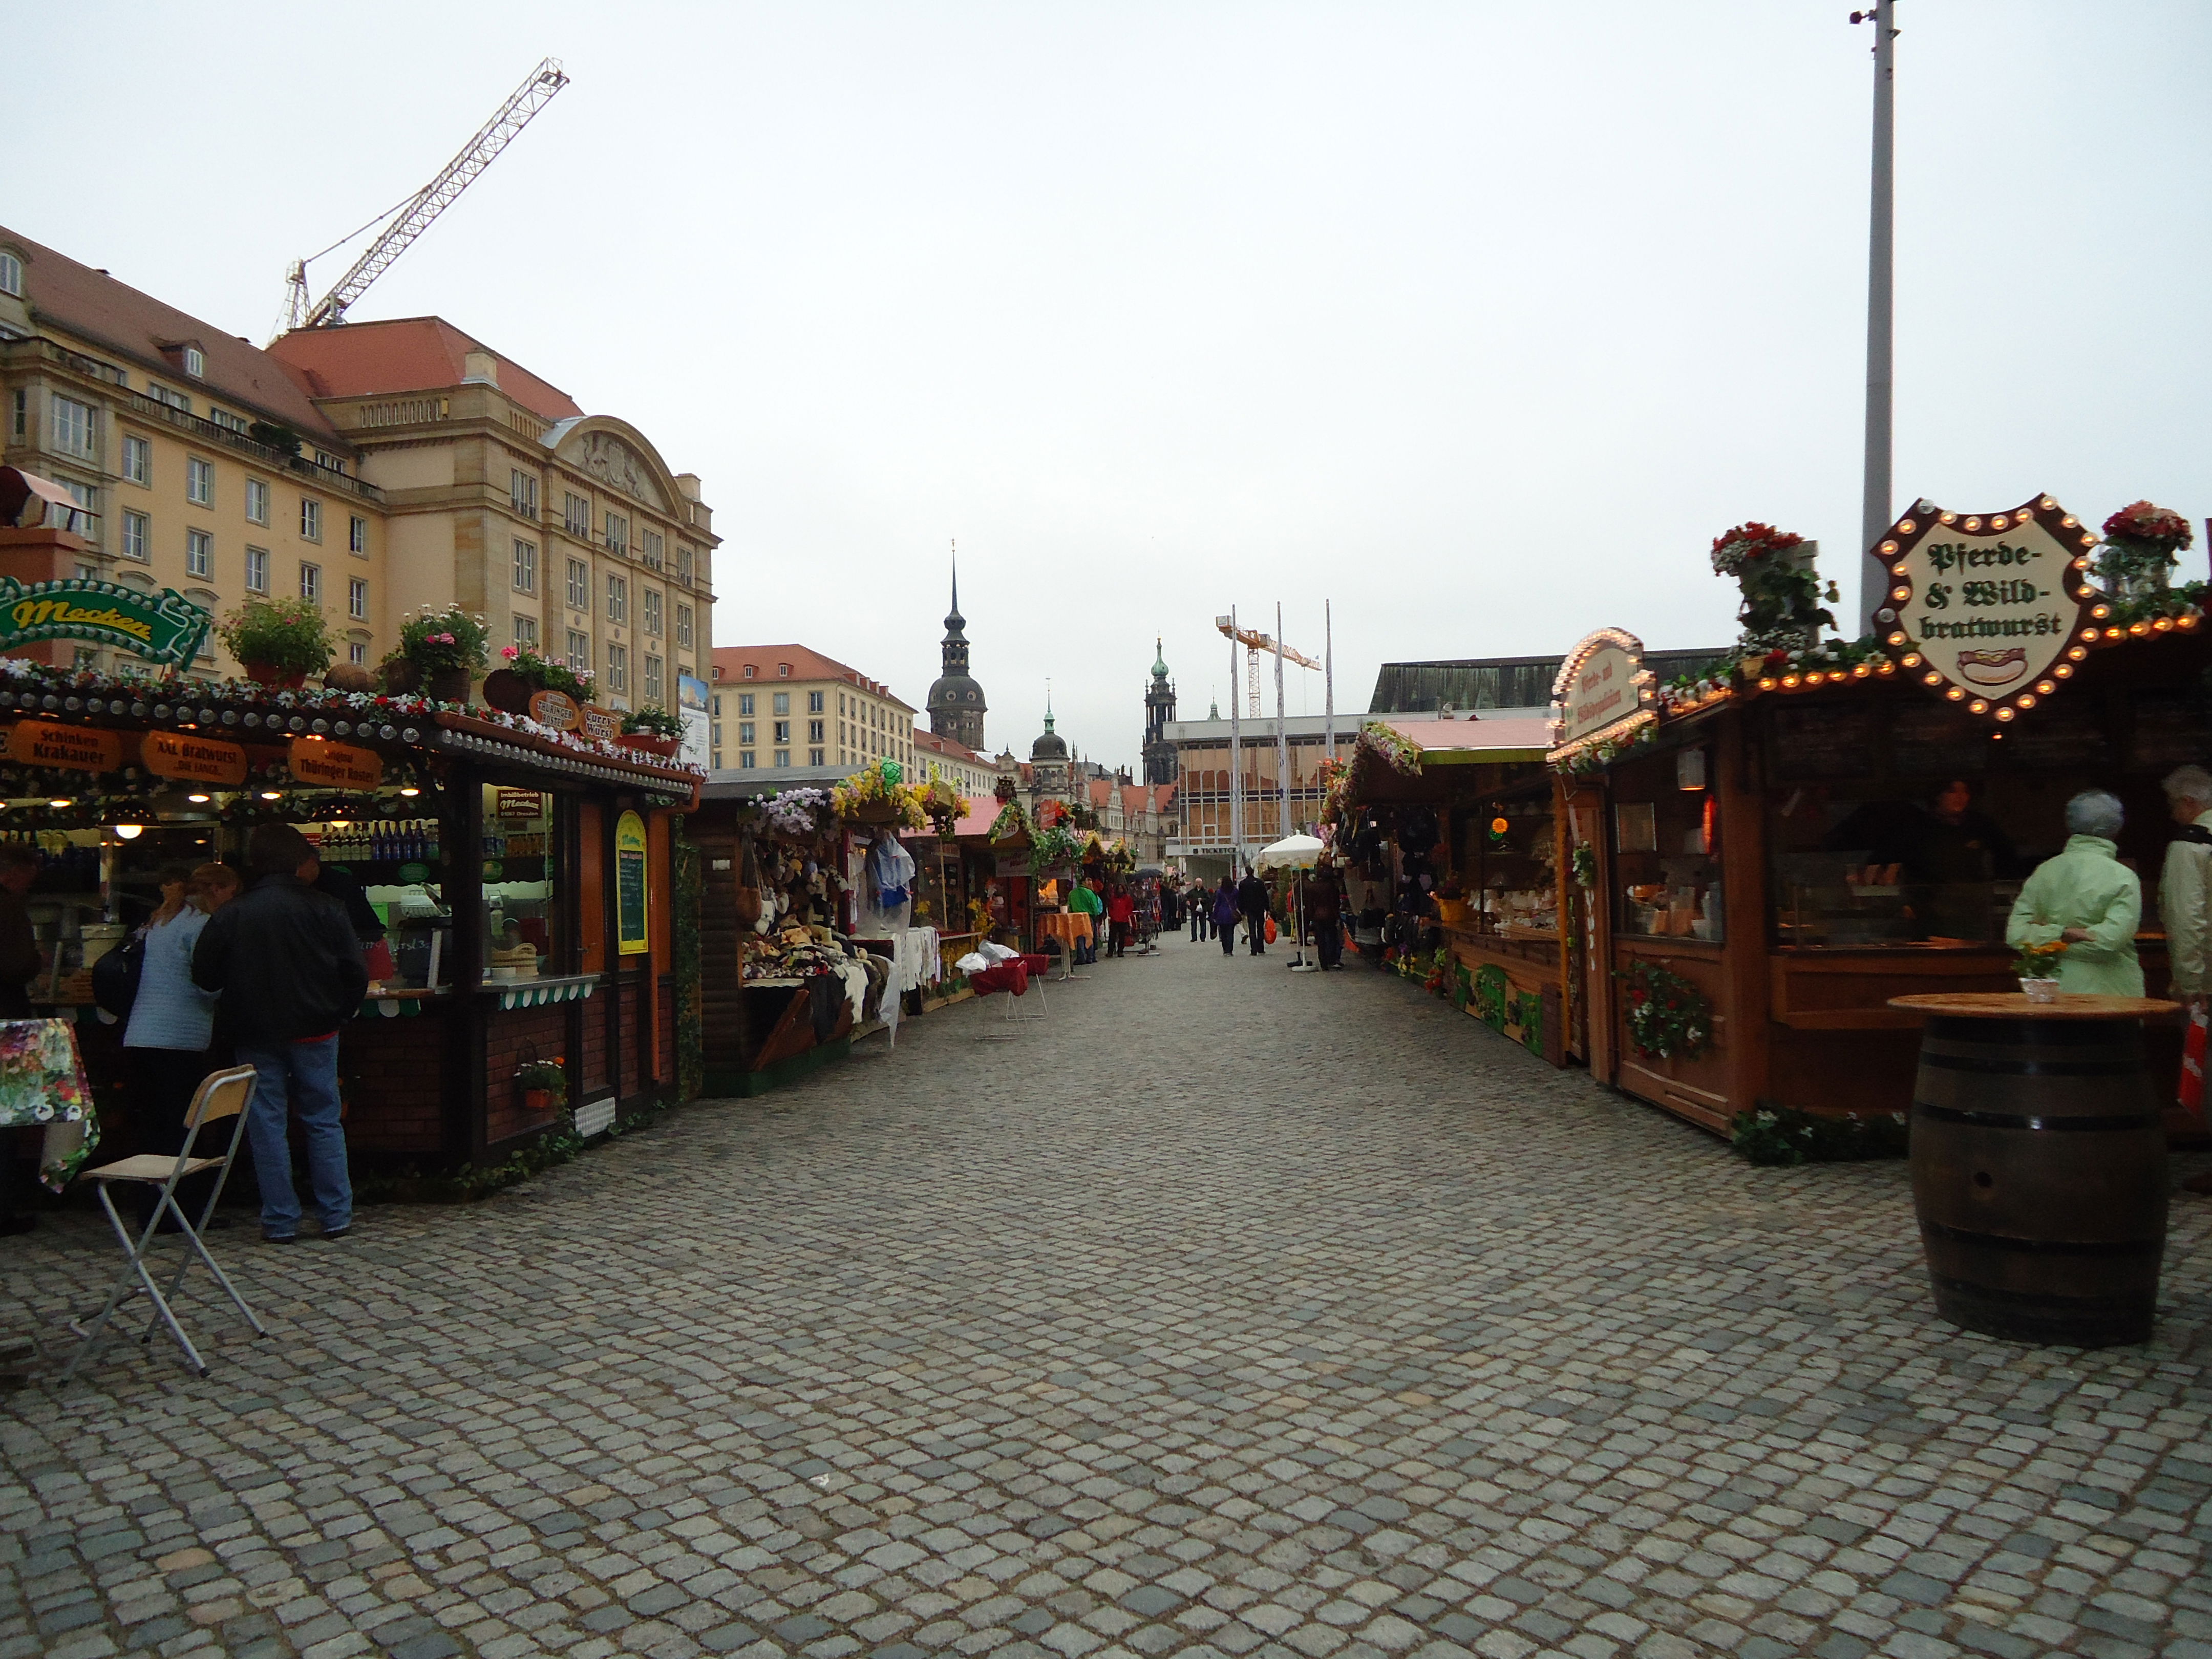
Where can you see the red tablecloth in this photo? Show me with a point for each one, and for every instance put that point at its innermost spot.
(1004, 976)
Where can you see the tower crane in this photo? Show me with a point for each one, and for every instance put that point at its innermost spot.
(404, 223)
(1254, 642)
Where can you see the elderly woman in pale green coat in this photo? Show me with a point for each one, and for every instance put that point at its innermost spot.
(2089, 898)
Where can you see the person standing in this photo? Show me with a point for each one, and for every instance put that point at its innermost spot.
(1083, 901)
(1325, 909)
(1200, 904)
(165, 1042)
(289, 970)
(1120, 914)
(2185, 885)
(1252, 900)
(2086, 899)
(19, 965)
(1225, 914)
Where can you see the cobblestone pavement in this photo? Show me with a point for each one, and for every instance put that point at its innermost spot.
(1225, 1311)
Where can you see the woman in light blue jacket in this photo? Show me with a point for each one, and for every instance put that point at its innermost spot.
(165, 1046)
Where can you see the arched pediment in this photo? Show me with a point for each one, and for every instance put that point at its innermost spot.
(619, 456)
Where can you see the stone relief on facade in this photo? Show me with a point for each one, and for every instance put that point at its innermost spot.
(611, 461)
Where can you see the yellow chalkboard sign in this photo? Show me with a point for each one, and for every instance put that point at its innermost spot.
(630, 884)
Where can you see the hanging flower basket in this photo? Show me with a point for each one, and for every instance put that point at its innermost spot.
(649, 743)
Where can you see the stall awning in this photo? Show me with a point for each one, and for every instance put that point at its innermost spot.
(1465, 741)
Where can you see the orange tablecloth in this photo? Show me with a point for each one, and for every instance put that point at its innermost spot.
(1071, 928)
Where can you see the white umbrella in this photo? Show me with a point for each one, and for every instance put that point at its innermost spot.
(1293, 853)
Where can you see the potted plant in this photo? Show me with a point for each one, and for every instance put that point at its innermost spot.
(544, 1084)
(525, 670)
(655, 730)
(278, 642)
(2037, 968)
(2140, 541)
(447, 647)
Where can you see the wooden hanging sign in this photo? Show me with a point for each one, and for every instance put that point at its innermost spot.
(1602, 689)
(71, 748)
(555, 708)
(1987, 610)
(329, 765)
(191, 758)
(601, 724)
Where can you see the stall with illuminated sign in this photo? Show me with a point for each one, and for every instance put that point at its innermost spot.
(1790, 840)
(517, 876)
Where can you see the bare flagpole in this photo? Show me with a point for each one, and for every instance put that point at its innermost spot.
(1282, 741)
(1329, 677)
(1875, 512)
(1236, 760)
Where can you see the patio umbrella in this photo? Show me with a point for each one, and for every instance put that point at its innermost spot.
(1299, 852)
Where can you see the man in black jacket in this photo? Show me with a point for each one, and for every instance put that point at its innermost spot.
(289, 969)
(1252, 900)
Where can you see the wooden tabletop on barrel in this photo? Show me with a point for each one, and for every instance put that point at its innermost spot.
(2014, 1004)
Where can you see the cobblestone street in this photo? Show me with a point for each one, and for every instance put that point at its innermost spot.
(1224, 1311)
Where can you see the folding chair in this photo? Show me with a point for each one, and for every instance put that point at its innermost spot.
(221, 1094)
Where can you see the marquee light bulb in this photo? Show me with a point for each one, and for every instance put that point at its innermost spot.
(198, 800)
(1906, 525)
(272, 794)
(62, 801)
(130, 831)
(409, 791)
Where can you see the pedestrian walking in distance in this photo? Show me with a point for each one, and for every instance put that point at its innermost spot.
(1252, 900)
(289, 969)
(1120, 914)
(1202, 913)
(1224, 915)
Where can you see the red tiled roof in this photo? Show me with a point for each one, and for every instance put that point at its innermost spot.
(104, 312)
(406, 353)
(924, 738)
(1097, 790)
(806, 664)
(1134, 798)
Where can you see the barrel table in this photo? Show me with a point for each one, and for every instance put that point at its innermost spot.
(2038, 1166)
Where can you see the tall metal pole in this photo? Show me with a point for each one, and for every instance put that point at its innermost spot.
(1236, 760)
(1282, 739)
(1329, 677)
(1876, 515)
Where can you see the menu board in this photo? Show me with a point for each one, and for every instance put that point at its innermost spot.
(631, 888)
(1808, 744)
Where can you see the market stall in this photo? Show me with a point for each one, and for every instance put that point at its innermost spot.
(1776, 848)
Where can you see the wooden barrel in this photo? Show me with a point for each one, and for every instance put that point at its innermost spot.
(2038, 1174)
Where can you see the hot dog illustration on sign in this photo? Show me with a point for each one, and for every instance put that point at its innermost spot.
(1990, 610)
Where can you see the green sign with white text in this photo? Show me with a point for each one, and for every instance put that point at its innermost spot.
(164, 628)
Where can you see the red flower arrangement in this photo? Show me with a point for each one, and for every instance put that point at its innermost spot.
(2158, 526)
(1735, 549)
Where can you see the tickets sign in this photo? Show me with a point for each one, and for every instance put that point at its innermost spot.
(328, 765)
(191, 758)
(71, 748)
(1987, 610)
(1603, 687)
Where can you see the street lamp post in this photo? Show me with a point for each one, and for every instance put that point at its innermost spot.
(1874, 515)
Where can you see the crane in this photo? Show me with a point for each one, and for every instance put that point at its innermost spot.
(1253, 643)
(404, 223)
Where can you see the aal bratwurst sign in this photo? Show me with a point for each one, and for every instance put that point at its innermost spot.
(1988, 609)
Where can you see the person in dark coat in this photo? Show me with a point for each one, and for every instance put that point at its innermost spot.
(289, 968)
(1325, 908)
(1252, 900)
(1200, 902)
(1224, 915)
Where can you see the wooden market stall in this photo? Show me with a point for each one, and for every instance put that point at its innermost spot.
(1779, 851)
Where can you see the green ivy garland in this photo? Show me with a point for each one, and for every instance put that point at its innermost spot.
(1668, 1016)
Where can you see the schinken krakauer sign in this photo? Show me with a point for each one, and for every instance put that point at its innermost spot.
(165, 628)
(1987, 609)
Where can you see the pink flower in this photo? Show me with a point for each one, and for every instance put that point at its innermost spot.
(509, 653)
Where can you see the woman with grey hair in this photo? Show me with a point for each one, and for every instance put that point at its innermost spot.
(2185, 883)
(2086, 899)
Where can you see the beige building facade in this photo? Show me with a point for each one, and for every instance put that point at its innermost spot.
(789, 708)
(196, 461)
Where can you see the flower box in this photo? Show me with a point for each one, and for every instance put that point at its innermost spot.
(663, 747)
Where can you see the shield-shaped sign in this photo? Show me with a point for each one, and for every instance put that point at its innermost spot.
(1990, 610)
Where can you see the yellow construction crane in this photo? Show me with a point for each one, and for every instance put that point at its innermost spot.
(404, 222)
(1254, 642)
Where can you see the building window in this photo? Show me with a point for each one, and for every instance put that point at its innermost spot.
(783, 731)
(618, 599)
(226, 421)
(653, 611)
(84, 519)
(526, 630)
(169, 395)
(580, 652)
(745, 702)
(526, 566)
(73, 428)
(199, 553)
(329, 462)
(783, 670)
(357, 599)
(576, 516)
(311, 583)
(814, 703)
(655, 548)
(652, 680)
(580, 585)
(11, 275)
(814, 757)
(683, 626)
(683, 565)
(618, 667)
(744, 760)
(199, 482)
(782, 702)
(311, 519)
(138, 530)
(749, 671)
(357, 535)
(357, 655)
(522, 492)
(138, 460)
(195, 364)
(20, 425)
(257, 569)
(783, 757)
(257, 501)
(617, 534)
(814, 732)
(744, 730)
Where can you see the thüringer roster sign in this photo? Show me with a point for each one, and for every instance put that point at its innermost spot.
(1987, 609)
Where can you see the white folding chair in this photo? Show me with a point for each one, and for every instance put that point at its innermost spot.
(221, 1094)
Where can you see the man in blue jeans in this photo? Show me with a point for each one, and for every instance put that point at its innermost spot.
(289, 969)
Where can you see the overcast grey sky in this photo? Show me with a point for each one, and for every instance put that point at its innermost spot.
(1480, 319)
